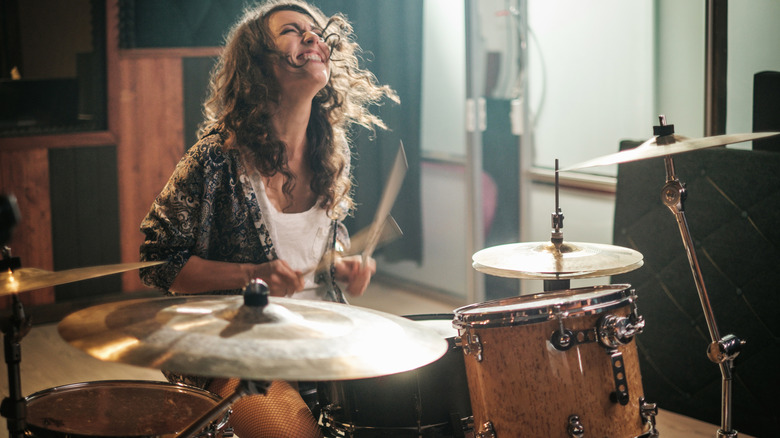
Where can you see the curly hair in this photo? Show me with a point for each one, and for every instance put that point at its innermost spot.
(244, 92)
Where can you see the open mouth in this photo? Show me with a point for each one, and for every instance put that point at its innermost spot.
(311, 57)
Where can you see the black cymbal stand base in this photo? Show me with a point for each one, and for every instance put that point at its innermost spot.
(14, 407)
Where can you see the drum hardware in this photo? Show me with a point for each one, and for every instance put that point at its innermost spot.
(511, 393)
(575, 427)
(615, 331)
(648, 412)
(620, 395)
(665, 143)
(471, 345)
(486, 431)
(611, 332)
(556, 237)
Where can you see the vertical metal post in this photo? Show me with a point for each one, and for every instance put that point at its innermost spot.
(475, 240)
(716, 67)
(526, 138)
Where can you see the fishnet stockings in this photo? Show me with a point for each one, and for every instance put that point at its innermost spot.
(281, 413)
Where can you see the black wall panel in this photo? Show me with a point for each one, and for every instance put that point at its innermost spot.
(85, 217)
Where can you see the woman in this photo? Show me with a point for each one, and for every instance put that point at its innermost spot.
(263, 192)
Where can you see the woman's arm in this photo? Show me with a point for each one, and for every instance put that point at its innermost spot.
(200, 275)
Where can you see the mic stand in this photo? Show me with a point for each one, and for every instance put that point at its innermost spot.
(245, 387)
(721, 351)
(15, 327)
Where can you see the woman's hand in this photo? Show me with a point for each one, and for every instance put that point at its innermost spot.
(355, 273)
(199, 275)
(282, 280)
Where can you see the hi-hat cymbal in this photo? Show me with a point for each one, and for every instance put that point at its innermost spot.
(668, 145)
(543, 261)
(219, 336)
(26, 279)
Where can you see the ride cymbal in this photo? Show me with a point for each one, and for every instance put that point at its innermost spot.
(26, 279)
(661, 146)
(543, 261)
(219, 336)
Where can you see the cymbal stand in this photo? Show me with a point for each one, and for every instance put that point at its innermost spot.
(556, 238)
(722, 350)
(245, 387)
(15, 327)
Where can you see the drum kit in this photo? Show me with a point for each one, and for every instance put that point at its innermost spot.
(559, 363)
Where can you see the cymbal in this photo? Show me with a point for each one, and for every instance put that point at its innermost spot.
(543, 261)
(26, 279)
(219, 336)
(661, 146)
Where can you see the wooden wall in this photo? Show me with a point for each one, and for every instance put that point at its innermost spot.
(146, 125)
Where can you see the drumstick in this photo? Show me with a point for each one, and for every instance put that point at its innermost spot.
(392, 186)
(389, 232)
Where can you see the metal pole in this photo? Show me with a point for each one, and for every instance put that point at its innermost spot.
(716, 67)
(476, 114)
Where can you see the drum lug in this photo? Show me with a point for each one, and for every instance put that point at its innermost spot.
(648, 411)
(575, 427)
(327, 420)
(620, 395)
(486, 431)
(615, 331)
(470, 343)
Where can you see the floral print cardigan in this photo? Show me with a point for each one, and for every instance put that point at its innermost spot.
(208, 208)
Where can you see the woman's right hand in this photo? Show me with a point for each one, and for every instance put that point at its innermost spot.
(282, 280)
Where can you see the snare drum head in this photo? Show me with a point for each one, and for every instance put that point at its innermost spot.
(117, 408)
(529, 309)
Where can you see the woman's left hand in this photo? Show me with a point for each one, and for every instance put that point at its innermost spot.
(355, 273)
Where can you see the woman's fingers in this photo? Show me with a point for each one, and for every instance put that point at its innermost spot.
(282, 280)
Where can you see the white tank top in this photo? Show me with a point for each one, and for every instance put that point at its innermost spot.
(300, 239)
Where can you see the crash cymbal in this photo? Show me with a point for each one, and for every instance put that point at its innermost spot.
(219, 336)
(26, 279)
(543, 261)
(661, 146)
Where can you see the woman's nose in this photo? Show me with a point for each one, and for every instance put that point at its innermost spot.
(311, 37)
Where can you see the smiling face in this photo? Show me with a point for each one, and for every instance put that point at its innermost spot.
(306, 67)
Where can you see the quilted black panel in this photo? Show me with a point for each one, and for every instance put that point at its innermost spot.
(733, 214)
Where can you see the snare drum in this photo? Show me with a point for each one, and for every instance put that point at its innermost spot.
(119, 408)
(430, 401)
(558, 364)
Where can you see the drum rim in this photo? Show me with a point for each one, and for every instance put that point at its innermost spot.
(190, 390)
(123, 383)
(614, 296)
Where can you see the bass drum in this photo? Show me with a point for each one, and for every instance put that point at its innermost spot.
(430, 401)
(557, 364)
(119, 408)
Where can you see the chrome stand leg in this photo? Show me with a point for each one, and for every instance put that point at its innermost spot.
(721, 351)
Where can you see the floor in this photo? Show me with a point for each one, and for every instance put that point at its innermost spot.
(47, 361)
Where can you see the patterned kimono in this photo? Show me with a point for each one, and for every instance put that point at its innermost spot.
(208, 208)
